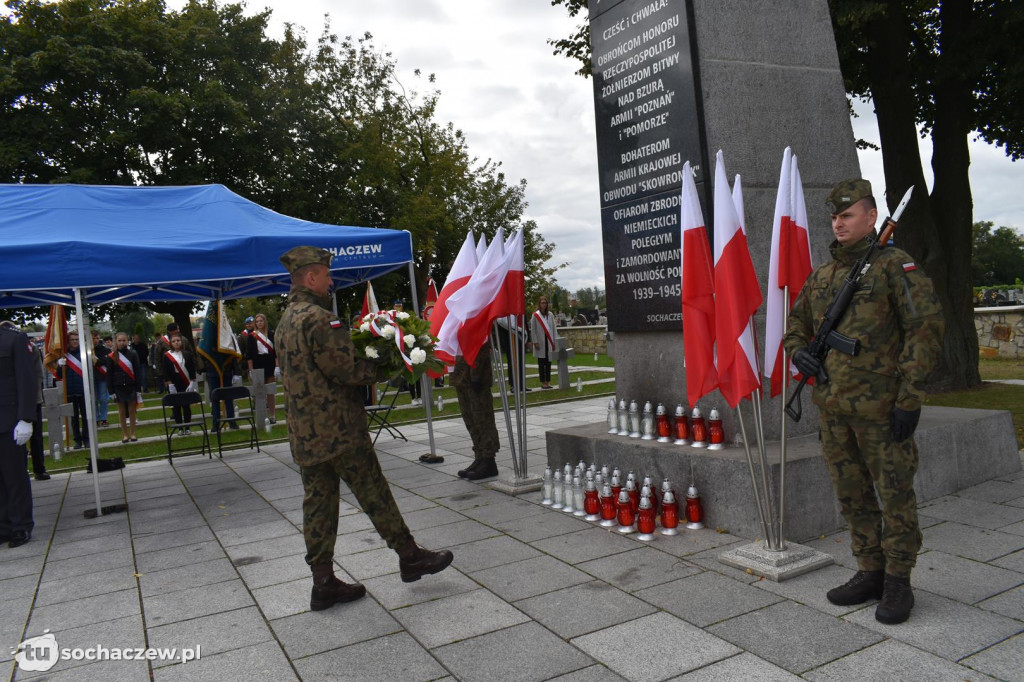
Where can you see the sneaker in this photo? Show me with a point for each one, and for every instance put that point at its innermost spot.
(864, 585)
(187, 432)
(897, 600)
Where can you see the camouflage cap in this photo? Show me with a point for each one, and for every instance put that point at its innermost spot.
(301, 256)
(846, 194)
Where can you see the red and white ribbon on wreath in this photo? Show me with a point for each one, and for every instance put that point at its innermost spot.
(400, 342)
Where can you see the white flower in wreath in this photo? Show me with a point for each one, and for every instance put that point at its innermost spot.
(372, 353)
(410, 340)
(364, 327)
(425, 340)
(388, 332)
(418, 356)
(402, 315)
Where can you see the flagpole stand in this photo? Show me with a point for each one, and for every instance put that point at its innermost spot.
(776, 565)
(517, 485)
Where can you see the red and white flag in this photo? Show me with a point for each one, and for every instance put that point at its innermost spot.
(369, 302)
(431, 298)
(737, 295)
(790, 264)
(496, 289)
(442, 325)
(698, 295)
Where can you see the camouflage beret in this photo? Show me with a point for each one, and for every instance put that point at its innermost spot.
(846, 194)
(301, 256)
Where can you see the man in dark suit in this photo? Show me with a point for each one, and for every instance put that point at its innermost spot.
(18, 392)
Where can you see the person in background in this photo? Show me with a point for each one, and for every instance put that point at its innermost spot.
(142, 351)
(179, 373)
(70, 368)
(542, 335)
(102, 379)
(19, 391)
(260, 354)
(124, 383)
(35, 444)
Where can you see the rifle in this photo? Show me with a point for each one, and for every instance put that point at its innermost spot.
(827, 336)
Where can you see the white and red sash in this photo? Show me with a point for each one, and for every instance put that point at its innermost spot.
(177, 365)
(75, 364)
(166, 339)
(126, 366)
(267, 344)
(544, 327)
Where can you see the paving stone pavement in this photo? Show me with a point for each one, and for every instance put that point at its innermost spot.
(210, 555)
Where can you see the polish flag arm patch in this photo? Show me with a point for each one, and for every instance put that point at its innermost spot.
(335, 324)
(909, 267)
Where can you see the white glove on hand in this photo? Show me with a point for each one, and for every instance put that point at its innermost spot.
(192, 387)
(22, 432)
(236, 380)
(61, 362)
(277, 372)
(171, 388)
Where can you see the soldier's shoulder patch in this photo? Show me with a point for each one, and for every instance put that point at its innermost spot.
(335, 324)
(909, 267)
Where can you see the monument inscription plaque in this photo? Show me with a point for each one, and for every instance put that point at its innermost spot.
(649, 123)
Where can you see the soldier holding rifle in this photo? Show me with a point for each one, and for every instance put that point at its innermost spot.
(870, 400)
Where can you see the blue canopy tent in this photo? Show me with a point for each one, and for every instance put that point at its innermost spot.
(75, 244)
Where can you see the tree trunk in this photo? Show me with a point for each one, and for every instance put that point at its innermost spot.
(933, 228)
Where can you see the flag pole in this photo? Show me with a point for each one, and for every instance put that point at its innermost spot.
(85, 351)
(762, 513)
(782, 430)
(424, 384)
(496, 354)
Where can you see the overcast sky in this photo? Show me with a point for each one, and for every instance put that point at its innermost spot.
(521, 105)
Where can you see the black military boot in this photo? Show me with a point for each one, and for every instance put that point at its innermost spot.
(328, 590)
(486, 468)
(464, 473)
(415, 562)
(897, 600)
(862, 586)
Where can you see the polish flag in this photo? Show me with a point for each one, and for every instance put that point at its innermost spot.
(496, 289)
(698, 295)
(431, 292)
(369, 302)
(737, 295)
(448, 343)
(790, 264)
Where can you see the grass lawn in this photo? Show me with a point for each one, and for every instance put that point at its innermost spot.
(992, 396)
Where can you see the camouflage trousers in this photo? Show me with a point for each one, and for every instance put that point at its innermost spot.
(863, 459)
(477, 406)
(361, 472)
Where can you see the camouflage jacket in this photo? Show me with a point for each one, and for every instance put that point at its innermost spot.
(321, 375)
(895, 315)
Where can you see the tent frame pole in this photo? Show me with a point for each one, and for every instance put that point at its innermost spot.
(85, 350)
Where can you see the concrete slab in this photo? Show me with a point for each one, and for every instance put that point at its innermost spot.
(540, 526)
(491, 552)
(179, 556)
(639, 568)
(1004, 661)
(454, 534)
(461, 616)
(129, 671)
(524, 652)
(585, 545)
(240, 665)
(274, 571)
(809, 589)
(93, 563)
(944, 627)
(314, 632)
(151, 542)
(86, 611)
(186, 577)
(197, 602)
(971, 542)
(392, 593)
(1009, 603)
(123, 632)
(88, 585)
(707, 598)
(962, 579)
(636, 650)
(744, 666)
(215, 633)
(529, 578)
(891, 660)
(594, 673)
(584, 608)
(394, 657)
(976, 513)
(793, 636)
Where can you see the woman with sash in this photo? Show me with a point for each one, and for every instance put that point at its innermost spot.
(542, 336)
(179, 373)
(260, 354)
(124, 374)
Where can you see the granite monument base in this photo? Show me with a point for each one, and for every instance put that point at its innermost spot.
(958, 448)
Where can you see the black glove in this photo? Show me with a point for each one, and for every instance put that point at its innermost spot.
(903, 423)
(808, 365)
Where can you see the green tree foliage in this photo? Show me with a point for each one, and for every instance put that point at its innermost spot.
(998, 255)
(127, 92)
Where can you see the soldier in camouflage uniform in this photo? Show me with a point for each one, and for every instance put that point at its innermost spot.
(473, 389)
(870, 405)
(328, 433)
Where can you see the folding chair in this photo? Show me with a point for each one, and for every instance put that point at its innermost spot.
(240, 395)
(380, 413)
(188, 398)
